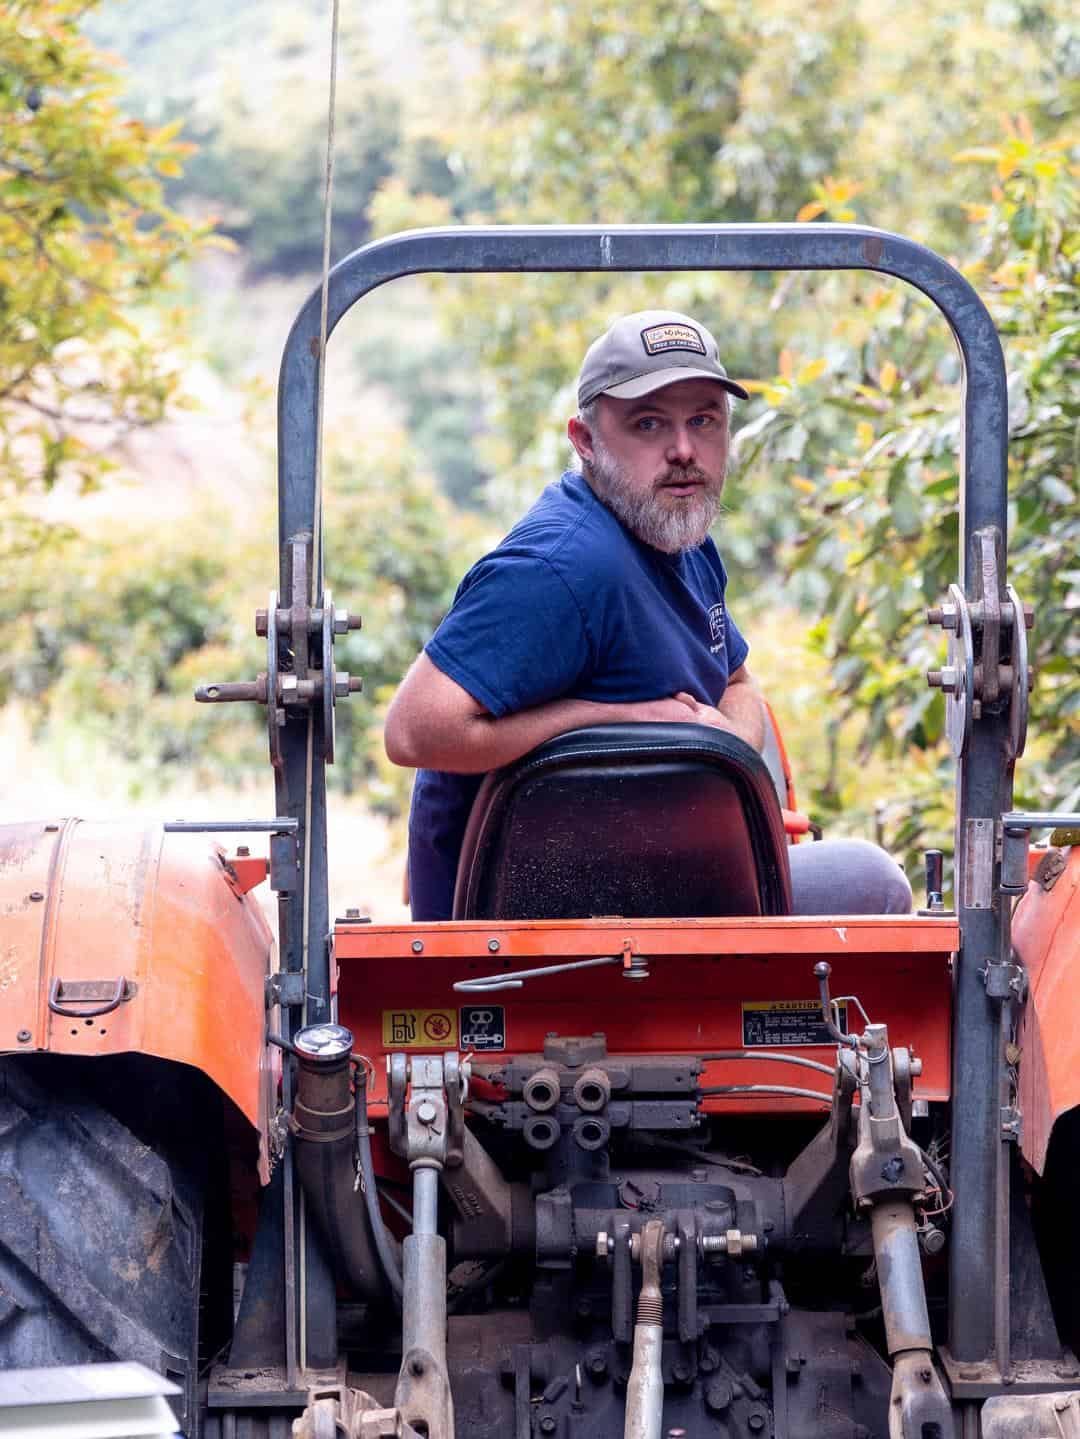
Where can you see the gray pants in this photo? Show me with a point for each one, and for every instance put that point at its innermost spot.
(846, 876)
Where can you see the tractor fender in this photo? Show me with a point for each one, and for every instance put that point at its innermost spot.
(1046, 936)
(118, 938)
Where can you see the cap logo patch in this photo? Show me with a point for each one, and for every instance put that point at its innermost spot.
(658, 338)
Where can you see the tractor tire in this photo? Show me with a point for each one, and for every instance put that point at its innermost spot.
(103, 1198)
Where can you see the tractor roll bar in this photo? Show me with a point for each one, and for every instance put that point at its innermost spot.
(536, 249)
(978, 1323)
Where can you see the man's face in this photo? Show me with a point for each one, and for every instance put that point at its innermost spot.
(659, 462)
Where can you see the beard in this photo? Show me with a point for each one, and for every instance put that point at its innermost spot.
(671, 523)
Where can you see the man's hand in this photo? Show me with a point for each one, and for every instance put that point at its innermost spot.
(740, 710)
(705, 714)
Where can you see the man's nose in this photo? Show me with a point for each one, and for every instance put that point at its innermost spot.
(681, 449)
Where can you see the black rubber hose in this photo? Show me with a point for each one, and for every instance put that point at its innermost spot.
(383, 1246)
(324, 1144)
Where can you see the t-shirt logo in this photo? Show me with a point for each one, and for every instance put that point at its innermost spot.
(717, 627)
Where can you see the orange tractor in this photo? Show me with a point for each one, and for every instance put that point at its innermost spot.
(692, 1167)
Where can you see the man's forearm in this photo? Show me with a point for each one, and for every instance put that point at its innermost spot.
(483, 742)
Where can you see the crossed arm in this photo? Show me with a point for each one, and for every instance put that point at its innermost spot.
(433, 723)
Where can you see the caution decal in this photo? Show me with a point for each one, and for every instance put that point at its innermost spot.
(419, 1029)
(787, 1022)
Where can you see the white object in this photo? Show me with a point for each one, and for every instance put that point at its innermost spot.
(86, 1401)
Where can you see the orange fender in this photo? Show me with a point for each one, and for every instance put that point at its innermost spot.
(1046, 935)
(153, 928)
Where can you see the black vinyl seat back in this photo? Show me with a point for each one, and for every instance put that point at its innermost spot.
(640, 820)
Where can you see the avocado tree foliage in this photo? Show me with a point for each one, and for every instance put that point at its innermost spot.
(86, 244)
(867, 443)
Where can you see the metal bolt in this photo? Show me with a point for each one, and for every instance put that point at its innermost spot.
(597, 1364)
(944, 679)
(51, 828)
(547, 1424)
(717, 1395)
(36, 894)
(493, 946)
(426, 1112)
(756, 1421)
(242, 851)
(681, 1371)
(943, 615)
(352, 913)
(24, 1036)
(418, 946)
(345, 684)
(603, 1245)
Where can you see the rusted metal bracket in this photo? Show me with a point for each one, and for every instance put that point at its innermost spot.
(980, 669)
(286, 988)
(1005, 981)
(300, 670)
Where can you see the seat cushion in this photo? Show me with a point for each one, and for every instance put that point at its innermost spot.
(638, 820)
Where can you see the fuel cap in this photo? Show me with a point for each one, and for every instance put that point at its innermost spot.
(324, 1041)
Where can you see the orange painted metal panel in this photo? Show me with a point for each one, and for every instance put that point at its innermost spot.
(120, 902)
(701, 973)
(1046, 935)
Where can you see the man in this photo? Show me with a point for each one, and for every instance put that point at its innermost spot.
(604, 604)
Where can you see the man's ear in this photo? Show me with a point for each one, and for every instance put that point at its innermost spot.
(580, 437)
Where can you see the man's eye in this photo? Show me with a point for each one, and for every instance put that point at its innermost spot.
(648, 423)
(700, 422)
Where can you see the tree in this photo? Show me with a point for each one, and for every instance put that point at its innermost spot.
(87, 247)
(866, 442)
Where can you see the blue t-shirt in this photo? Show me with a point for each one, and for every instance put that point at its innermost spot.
(570, 604)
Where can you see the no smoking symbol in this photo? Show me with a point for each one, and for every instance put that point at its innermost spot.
(437, 1026)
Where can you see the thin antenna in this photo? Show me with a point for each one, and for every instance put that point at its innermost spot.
(316, 539)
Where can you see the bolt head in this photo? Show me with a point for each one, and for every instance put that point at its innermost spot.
(426, 1112)
(418, 946)
(24, 1036)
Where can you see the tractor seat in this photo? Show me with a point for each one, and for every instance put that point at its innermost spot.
(639, 820)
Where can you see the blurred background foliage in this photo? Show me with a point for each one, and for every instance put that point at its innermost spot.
(156, 246)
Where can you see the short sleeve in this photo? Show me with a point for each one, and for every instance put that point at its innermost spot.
(515, 635)
(737, 647)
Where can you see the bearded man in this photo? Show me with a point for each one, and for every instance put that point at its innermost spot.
(604, 604)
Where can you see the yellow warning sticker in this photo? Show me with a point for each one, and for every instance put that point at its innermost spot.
(787, 1022)
(419, 1029)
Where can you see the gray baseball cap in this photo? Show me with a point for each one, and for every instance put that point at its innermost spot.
(648, 350)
